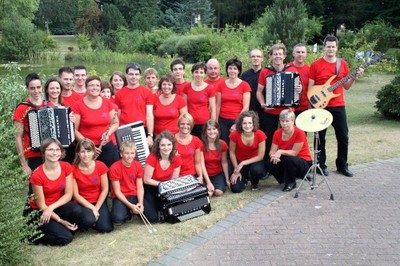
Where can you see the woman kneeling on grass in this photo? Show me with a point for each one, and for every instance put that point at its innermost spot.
(126, 176)
(214, 159)
(52, 187)
(91, 188)
(162, 165)
(246, 150)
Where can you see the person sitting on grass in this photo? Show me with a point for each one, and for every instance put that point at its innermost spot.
(126, 176)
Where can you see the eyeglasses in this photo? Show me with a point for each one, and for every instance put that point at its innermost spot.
(53, 150)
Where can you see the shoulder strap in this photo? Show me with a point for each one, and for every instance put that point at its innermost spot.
(28, 103)
(338, 62)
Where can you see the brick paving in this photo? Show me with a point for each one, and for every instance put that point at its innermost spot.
(360, 227)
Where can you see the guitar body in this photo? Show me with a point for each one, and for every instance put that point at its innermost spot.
(320, 95)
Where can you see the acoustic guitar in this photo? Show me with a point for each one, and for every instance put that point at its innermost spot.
(320, 95)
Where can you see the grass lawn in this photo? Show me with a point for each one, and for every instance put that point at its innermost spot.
(64, 42)
(371, 138)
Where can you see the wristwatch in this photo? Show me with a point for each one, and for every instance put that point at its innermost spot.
(150, 134)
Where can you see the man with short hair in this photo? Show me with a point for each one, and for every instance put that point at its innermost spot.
(29, 159)
(69, 96)
(135, 102)
(251, 76)
(80, 75)
(214, 73)
(178, 71)
(321, 71)
(299, 56)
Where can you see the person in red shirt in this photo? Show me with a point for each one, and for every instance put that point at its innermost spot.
(189, 148)
(289, 153)
(213, 73)
(70, 97)
(246, 151)
(178, 71)
(168, 106)
(96, 119)
(200, 99)
(162, 164)
(52, 186)
(29, 159)
(80, 76)
(233, 98)
(151, 79)
(320, 71)
(52, 91)
(214, 159)
(299, 56)
(126, 176)
(135, 102)
(270, 116)
(91, 188)
(117, 81)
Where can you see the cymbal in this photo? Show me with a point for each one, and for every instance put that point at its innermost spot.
(314, 120)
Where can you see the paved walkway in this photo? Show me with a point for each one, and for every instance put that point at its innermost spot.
(360, 227)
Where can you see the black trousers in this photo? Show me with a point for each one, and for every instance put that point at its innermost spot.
(289, 168)
(342, 136)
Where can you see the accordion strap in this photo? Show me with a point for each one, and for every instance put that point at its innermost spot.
(338, 63)
(270, 67)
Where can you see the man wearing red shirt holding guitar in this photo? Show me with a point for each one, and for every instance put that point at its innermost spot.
(327, 70)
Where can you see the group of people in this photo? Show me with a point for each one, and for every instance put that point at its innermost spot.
(214, 128)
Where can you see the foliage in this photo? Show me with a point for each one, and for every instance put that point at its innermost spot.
(167, 48)
(90, 21)
(150, 41)
(49, 16)
(140, 15)
(20, 39)
(111, 18)
(384, 34)
(13, 251)
(21, 8)
(183, 15)
(287, 21)
(83, 41)
(388, 103)
(194, 48)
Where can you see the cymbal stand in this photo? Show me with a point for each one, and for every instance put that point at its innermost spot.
(313, 169)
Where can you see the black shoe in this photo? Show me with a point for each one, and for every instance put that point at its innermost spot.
(346, 172)
(289, 187)
(324, 170)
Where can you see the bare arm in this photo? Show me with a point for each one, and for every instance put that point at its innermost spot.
(150, 124)
(104, 191)
(197, 164)
(246, 102)
(218, 103)
(213, 107)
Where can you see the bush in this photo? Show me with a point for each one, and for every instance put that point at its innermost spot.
(383, 33)
(194, 48)
(388, 103)
(13, 251)
(168, 47)
(83, 42)
(151, 40)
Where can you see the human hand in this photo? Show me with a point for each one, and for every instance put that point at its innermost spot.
(235, 177)
(149, 140)
(46, 215)
(96, 213)
(68, 225)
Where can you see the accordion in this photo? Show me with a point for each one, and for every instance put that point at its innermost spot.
(281, 91)
(183, 198)
(134, 132)
(50, 122)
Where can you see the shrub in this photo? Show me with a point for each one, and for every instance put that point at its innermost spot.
(83, 42)
(168, 47)
(194, 48)
(13, 251)
(151, 40)
(388, 103)
(383, 33)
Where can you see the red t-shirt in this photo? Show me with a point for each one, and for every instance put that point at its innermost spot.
(180, 86)
(53, 190)
(160, 174)
(94, 122)
(244, 152)
(303, 71)
(187, 154)
(166, 116)
(89, 186)
(127, 177)
(297, 137)
(20, 115)
(132, 103)
(232, 99)
(321, 71)
(213, 158)
(198, 103)
(262, 80)
(216, 82)
(72, 99)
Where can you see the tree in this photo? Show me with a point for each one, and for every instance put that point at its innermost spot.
(50, 18)
(112, 18)
(89, 23)
(185, 14)
(286, 21)
(140, 14)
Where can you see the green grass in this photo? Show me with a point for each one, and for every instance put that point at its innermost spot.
(371, 138)
(64, 42)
